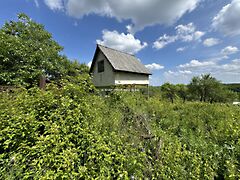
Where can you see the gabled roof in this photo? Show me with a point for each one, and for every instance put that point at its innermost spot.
(121, 61)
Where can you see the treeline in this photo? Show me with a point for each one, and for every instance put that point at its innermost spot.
(234, 87)
(204, 88)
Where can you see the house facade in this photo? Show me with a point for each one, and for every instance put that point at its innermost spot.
(111, 67)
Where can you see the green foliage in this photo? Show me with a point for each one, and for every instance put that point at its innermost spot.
(27, 51)
(58, 134)
(169, 91)
(208, 88)
(234, 87)
(182, 91)
(70, 132)
(204, 88)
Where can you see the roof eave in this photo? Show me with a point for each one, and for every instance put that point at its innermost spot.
(145, 73)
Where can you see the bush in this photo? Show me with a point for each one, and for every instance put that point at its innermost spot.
(69, 132)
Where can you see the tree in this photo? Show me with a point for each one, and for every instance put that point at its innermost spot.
(28, 51)
(182, 91)
(195, 88)
(207, 88)
(169, 91)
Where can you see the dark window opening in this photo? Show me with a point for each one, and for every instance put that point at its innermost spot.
(100, 66)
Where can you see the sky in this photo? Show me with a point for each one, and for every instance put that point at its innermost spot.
(175, 39)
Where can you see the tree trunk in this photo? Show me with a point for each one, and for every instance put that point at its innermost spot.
(42, 82)
(184, 99)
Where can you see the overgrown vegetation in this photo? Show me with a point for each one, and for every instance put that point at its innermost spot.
(69, 131)
(204, 88)
(72, 133)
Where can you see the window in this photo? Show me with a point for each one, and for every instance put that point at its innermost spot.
(100, 66)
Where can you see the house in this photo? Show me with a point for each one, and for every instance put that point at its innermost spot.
(111, 67)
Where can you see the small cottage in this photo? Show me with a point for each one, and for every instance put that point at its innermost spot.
(111, 67)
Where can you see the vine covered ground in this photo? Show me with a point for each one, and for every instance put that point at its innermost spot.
(71, 132)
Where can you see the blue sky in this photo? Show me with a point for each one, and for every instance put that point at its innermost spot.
(176, 40)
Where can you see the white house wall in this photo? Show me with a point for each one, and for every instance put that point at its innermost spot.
(105, 78)
(130, 78)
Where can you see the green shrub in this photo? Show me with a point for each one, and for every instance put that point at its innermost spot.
(69, 132)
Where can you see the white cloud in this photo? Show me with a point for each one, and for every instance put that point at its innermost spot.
(233, 67)
(185, 72)
(211, 42)
(177, 77)
(181, 49)
(184, 33)
(164, 41)
(123, 42)
(129, 29)
(141, 13)
(193, 64)
(188, 32)
(154, 66)
(54, 4)
(229, 50)
(227, 20)
(228, 72)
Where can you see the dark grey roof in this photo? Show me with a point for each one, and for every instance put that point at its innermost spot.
(122, 61)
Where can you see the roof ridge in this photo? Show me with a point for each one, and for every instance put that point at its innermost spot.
(116, 50)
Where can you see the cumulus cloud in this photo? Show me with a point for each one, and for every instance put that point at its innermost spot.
(54, 4)
(120, 41)
(211, 42)
(227, 19)
(184, 33)
(227, 72)
(229, 50)
(188, 32)
(164, 41)
(154, 66)
(193, 64)
(141, 13)
(233, 67)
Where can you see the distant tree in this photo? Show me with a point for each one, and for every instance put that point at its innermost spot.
(169, 91)
(195, 88)
(208, 89)
(182, 91)
(223, 94)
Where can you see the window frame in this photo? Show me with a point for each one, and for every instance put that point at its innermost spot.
(100, 66)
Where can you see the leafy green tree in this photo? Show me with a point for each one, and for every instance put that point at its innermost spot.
(222, 94)
(28, 51)
(204, 87)
(169, 91)
(195, 88)
(182, 91)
